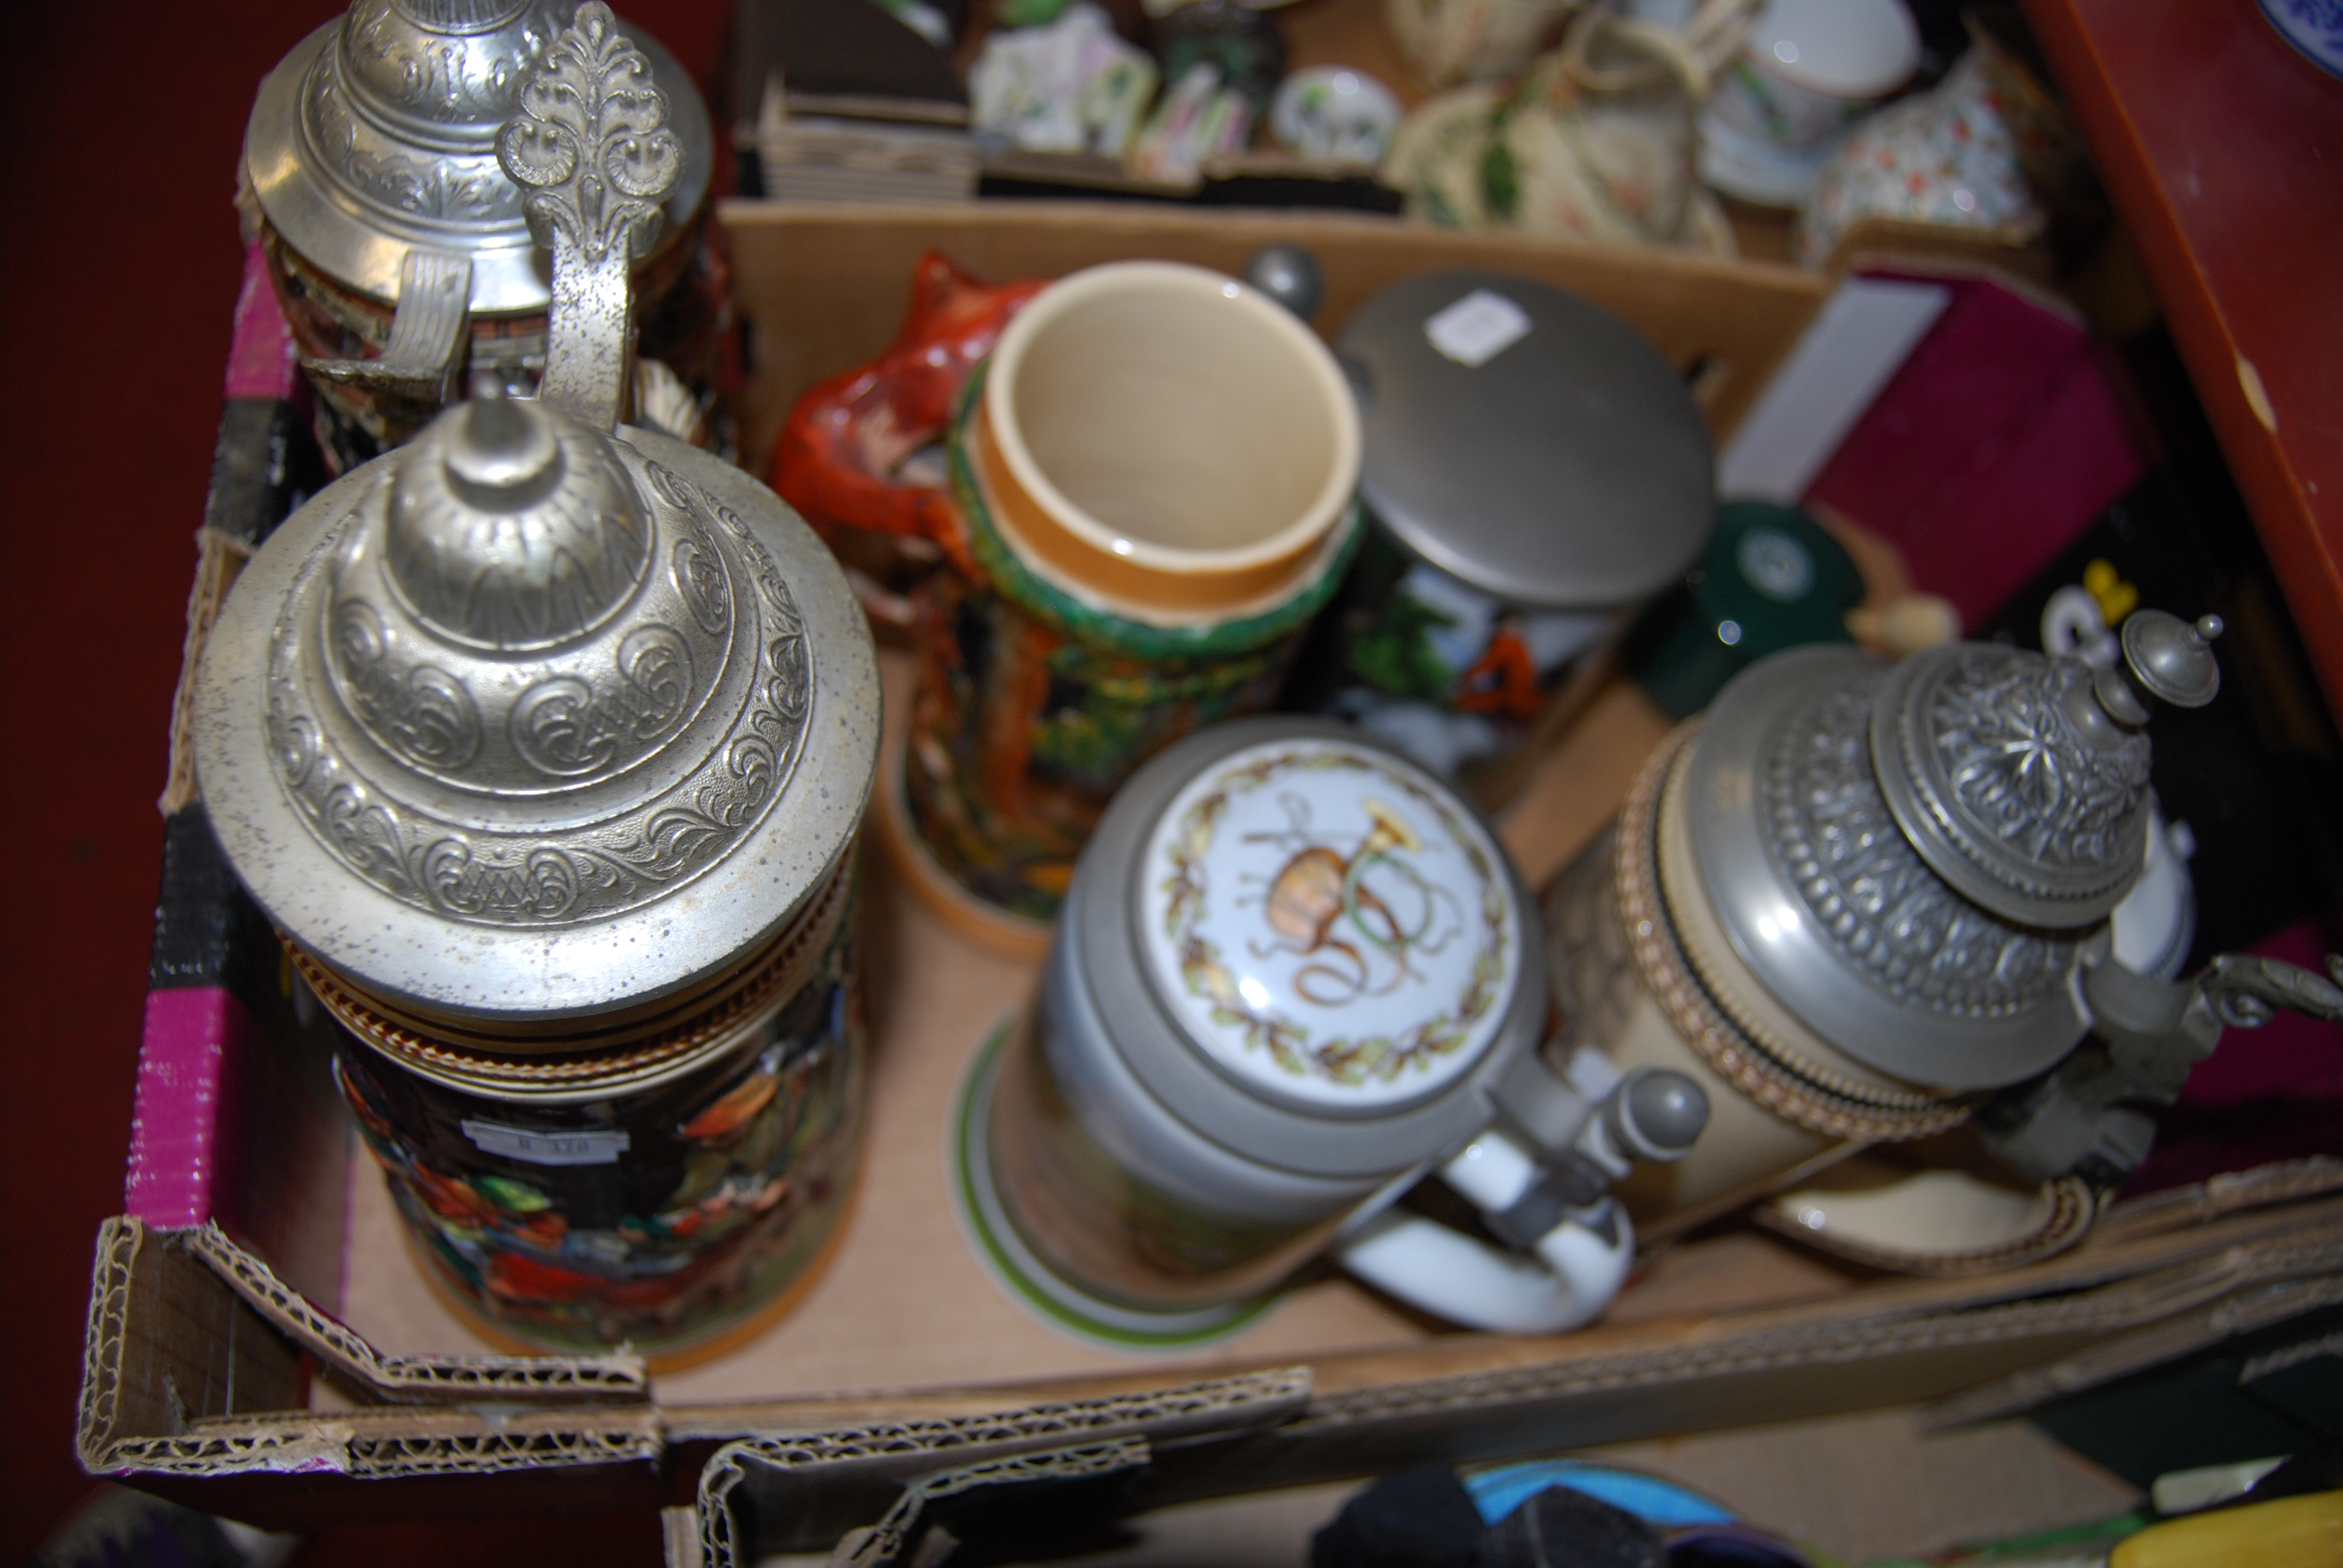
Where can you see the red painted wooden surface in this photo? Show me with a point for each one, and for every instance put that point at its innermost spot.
(2223, 151)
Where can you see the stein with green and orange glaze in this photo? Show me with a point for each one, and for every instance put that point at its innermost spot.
(1154, 473)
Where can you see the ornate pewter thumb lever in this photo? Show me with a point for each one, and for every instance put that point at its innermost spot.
(592, 148)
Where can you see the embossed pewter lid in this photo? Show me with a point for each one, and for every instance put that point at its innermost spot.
(1527, 441)
(1328, 924)
(1912, 858)
(376, 136)
(531, 719)
(523, 719)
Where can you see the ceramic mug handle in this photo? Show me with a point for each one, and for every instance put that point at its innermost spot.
(1574, 1241)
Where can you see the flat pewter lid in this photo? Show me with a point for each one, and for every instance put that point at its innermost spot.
(1527, 441)
(1306, 948)
(1831, 906)
(377, 134)
(525, 720)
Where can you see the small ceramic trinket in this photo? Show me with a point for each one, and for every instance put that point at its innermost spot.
(400, 248)
(1534, 471)
(543, 744)
(1865, 904)
(1152, 484)
(1294, 974)
(1334, 114)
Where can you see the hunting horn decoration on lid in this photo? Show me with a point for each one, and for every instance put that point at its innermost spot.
(1865, 904)
(373, 153)
(545, 746)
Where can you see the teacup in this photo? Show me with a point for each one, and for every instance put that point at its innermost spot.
(1154, 471)
(1807, 69)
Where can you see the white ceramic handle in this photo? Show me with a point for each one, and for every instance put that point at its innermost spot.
(1571, 1276)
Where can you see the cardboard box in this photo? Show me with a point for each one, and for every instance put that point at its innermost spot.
(261, 1345)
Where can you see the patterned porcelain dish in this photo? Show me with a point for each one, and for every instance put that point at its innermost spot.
(1296, 972)
(1534, 471)
(1154, 473)
(1945, 156)
(404, 254)
(1870, 904)
(544, 743)
(2313, 26)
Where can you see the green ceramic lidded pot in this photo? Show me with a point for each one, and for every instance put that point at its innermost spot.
(1155, 470)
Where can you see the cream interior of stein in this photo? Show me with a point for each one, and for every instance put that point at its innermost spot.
(1180, 421)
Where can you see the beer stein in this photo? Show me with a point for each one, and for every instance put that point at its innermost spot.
(1294, 974)
(1533, 471)
(1152, 478)
(543, 744)
(1867, 904)
(400, 248)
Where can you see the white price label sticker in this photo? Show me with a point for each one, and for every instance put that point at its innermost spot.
(588, 1146)
(1478, 327)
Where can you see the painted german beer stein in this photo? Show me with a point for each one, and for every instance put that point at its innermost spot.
(1864, 904)
(1533, 470)
(400, 248)
(543, 744)
(1154, 471)
(1294, 974)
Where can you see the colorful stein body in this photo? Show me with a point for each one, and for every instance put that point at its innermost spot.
(1154, 474)
(1291, 977)
(403, 254)
(544, 742)
(657, 1194)
(1533, 471)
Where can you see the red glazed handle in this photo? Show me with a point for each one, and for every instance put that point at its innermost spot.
(847, 436)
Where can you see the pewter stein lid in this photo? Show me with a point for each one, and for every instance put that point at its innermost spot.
(1527, 441)
(532, 719)
(377, 134)
(1913, 858)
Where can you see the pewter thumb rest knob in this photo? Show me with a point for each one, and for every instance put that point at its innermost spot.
(591, 149)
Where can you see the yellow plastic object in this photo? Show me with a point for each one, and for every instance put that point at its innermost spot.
(2292, 1532)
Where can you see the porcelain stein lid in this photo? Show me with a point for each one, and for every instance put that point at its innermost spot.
(1912, 858)
(1527, 441)
(377, 135)
(1308, 948)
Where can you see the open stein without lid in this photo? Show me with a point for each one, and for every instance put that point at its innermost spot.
(1864, 904)
(543, 744)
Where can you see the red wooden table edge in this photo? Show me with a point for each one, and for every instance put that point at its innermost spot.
(2309, 572)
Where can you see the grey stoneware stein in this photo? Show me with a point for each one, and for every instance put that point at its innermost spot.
(544, 742)
(1867, 905)
(1295, 974)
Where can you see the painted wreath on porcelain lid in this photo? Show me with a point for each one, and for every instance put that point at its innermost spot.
(1330, 923)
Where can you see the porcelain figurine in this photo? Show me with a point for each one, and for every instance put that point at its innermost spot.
(544, 742)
